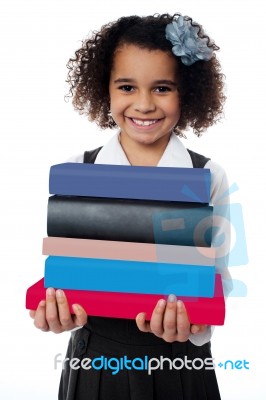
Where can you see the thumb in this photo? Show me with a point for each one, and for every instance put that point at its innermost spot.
(197, 328)
(81, 317)
(32, 313)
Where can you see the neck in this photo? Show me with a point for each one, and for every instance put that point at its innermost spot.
(141, 154)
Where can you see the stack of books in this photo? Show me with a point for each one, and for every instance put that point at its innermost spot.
(122, 237)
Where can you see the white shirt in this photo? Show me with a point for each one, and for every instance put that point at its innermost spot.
(176, 155)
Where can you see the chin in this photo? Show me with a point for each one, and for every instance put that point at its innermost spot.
(147, 141)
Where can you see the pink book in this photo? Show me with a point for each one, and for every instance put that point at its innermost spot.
(210, 311)
(135, 251)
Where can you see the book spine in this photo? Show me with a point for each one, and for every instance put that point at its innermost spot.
(210, 311)
(126, 220)
(129, 276)
(131, 182)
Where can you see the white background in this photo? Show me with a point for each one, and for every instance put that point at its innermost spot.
(39, 129)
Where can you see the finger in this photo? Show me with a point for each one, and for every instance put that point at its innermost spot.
(198, 328)
(80, 317)
(156, 323)
(65, 318)
(40, 318)
(170, 319)
(183, 324)
(32, 313)
(52, 317)
(142, 324)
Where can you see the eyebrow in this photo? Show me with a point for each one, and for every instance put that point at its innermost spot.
(158, 82)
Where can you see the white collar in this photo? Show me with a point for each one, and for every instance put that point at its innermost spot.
(175, 154)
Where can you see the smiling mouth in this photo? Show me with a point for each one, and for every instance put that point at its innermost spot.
(147, 122)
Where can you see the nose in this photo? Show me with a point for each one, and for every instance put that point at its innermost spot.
(144, 103)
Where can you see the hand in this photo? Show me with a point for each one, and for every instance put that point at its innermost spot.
(53, 313)
(169, 321)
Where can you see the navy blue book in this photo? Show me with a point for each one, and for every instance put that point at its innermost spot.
(145, 221)
(131, 182)
(129, 276)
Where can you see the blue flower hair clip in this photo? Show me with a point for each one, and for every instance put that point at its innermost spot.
(186, 42)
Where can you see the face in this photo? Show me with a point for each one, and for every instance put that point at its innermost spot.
(143, 94)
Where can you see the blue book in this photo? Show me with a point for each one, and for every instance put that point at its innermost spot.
(131, 182)
(110, 275)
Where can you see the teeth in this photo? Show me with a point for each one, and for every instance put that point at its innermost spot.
(144, 123)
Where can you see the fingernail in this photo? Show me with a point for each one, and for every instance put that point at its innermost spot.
(171, 298)
(50, 291)
(42, 303)
(195, 329)
(180, 304)
(161, 303)
(76, 307)
(59, 293)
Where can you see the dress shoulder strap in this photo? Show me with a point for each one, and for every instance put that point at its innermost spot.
(90, 156)
(198, 160)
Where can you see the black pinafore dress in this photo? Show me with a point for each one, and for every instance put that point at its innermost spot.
(112, 339)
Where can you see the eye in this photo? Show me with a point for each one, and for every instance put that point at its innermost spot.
(126, 88)
(162, 89)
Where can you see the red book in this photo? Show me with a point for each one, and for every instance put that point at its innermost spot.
(210, 311)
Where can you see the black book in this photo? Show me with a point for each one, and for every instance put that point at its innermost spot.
(146, 221)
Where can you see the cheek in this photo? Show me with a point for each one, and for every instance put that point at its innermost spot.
(117, 105)
(174, 108)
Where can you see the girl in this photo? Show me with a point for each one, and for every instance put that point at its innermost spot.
(152, 77)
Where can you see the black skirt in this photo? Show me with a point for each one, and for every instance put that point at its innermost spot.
(121, 371)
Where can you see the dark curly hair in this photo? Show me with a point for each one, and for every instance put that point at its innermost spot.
(200, 84)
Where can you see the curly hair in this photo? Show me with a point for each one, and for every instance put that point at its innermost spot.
(200, 84)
